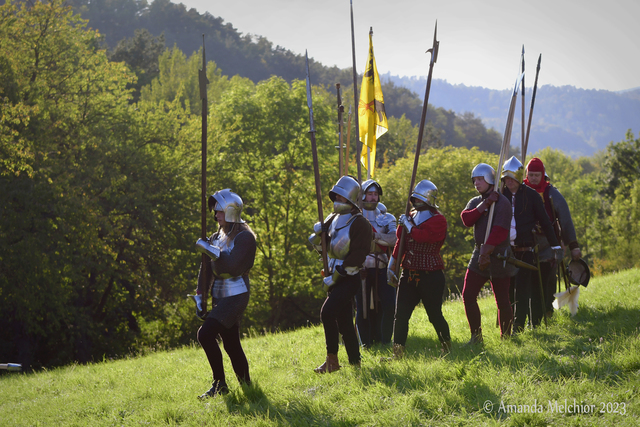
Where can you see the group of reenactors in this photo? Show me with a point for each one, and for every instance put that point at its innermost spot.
(513, 227)
(363, 247)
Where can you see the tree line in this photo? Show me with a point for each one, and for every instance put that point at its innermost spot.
(100, 191)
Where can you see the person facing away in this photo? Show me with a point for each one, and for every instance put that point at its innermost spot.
(348, 237)
(484, 265)
(527, 211)
(558, 211)
(232, 250)
(422, 277)
(376, 301)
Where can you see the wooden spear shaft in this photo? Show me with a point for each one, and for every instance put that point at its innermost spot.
(355, 98)
(340, 111)
(206, 267)
(316, 170)
(522, 141)
(348, 153)
(533, 100)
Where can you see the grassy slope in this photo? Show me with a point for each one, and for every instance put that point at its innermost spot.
(593, 358)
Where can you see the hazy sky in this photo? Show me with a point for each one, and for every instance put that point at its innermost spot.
(590, 44)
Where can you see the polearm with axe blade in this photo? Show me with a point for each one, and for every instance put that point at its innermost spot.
(202, 293)
(401, 245)
(316, 169)
(421, 233)
(533, 100)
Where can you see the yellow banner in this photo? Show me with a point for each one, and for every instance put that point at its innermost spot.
(372, 117)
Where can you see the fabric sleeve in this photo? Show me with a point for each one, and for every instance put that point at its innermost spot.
(240, 259)
(498, 235)
(566, 222)
(470, 215)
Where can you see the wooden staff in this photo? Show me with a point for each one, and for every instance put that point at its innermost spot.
(356, 101)
(522, 141)
(340, 111)
(206, 265)
(533, 100)
(316, 169)
(348, 153)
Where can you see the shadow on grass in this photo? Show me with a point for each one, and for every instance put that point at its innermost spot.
(583, 349)
(252, 402)
(545, 353)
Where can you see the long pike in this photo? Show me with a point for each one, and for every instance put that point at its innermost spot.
(206, 265)
(522, 141)
(506, 138)
(316, 168)
(356, 99)
(434, 58)
(533, 100)
(340, 111)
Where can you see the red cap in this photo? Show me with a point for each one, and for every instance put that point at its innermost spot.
(535, 165)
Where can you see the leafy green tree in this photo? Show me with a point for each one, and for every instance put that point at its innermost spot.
(141, 53)
(178, 79)
(92, 233)
(622, 163)
(397, 142)
(625, 227)
(476, 134)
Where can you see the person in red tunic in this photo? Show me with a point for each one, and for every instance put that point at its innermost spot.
(483, 266)
(422, 277)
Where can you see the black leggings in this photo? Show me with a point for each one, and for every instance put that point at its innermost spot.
(337, 317)
(207, 335)
(416, 286)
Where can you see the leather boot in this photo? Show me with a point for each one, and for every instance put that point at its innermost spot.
(218, 387)
(398, 353)
(331, 364)
(476, 338)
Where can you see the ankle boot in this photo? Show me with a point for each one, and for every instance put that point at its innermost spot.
(331, 364)
(218, 387)
(476, 338)
(398, 353)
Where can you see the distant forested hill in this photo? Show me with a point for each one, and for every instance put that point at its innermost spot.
(236, 54)
(577, 121)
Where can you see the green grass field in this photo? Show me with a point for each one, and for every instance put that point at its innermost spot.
(577, 371)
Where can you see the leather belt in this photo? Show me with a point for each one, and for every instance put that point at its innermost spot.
(522, 248)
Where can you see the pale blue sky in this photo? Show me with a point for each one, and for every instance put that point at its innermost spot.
(590, 44)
